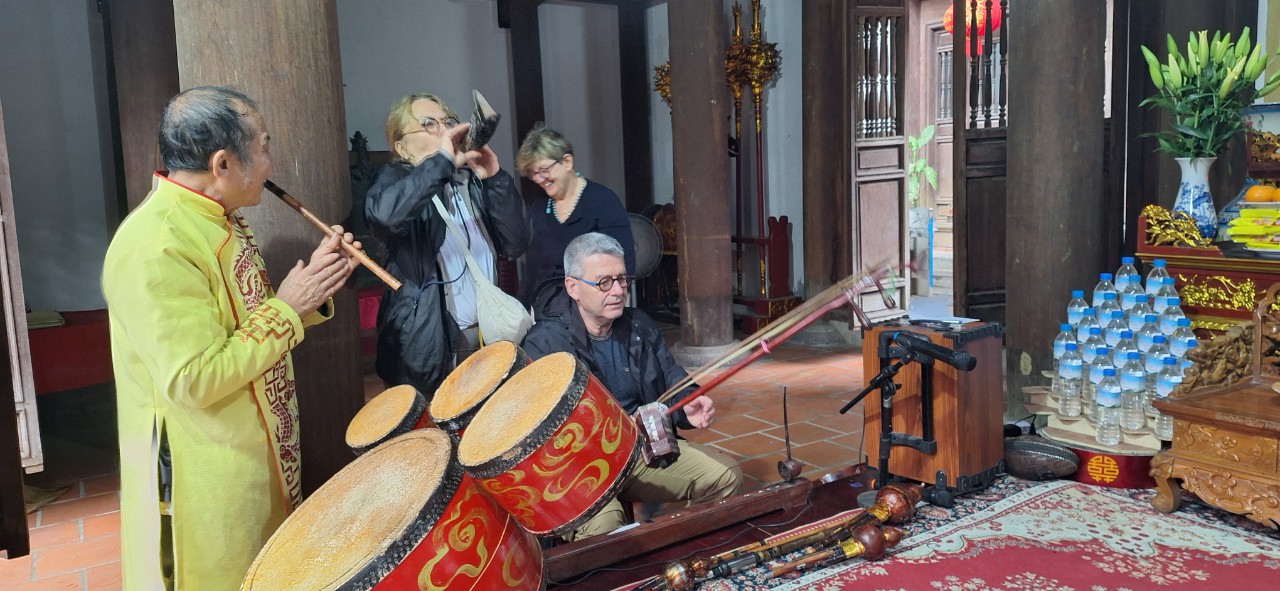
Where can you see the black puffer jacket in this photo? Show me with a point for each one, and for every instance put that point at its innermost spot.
(560, 328)
(416, 333)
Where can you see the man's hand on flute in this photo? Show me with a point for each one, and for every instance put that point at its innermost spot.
(308, 286)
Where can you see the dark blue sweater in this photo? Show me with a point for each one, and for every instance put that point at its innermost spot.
(598, 210)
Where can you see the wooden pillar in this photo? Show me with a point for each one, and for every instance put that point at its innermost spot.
(825, 121)
(526, 66)
(699, 106)
(636, 135)
(1055, 188)
(285, 56)
(143, 75)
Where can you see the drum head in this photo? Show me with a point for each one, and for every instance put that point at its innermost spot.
(394, 411)
(648, 244)
(521, 405)
(474, 380)
(363, 521)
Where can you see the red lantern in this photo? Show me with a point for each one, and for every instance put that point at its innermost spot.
(948, 21)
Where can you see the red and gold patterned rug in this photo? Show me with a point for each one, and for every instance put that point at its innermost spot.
(1059, 535)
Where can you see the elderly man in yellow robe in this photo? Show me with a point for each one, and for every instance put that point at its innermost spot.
(208, 417)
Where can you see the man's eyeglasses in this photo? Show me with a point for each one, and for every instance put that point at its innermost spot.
(546, 170)
(434, 126)
(606, 283)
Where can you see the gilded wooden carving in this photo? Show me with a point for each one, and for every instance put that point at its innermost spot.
(1250, 451)
(1221, 361)
(1217, 292)
(1168, 228)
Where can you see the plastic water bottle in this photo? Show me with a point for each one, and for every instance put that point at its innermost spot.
(1153, 363)
(1133, 378)
(1107, 413)
(1076, 307)
(1069, 371)
(1156, 277)
(1120, 352)
(1117, 325)
(1169, 319)
(1167, 290)
(1146, 335)
(1170, 377)
(1101, 361)
(1110, 303)
(1129, 296)
(1138, 313)
(1104, 286)
(1126, 274)
(1182, 339)
(1132, 409)
(1065, 335)
(1087, 321)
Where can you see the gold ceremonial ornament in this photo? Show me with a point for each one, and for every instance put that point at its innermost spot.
(662, 82)
(1167, 228)
(763, 61)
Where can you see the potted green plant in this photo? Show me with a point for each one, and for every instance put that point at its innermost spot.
(918, 172)
(1206, 91)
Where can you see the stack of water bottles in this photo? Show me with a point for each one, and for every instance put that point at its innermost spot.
(1121, 350)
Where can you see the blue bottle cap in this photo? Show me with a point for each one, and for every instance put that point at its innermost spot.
(1170, 360)
(1140, 298)
(1110, 295)
(1126, 260)
(1077, 293)
(1133, 355)
(1071, 346)
(1104, 277)
(1064, 326)
(1174, 301)
(1126, 334)
(1158, 339)
(1157, 263)
(1184, 321)
(1109, 371)
(1149, 317)
(1095, 330)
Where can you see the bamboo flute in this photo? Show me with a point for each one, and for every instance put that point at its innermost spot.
(351, 249)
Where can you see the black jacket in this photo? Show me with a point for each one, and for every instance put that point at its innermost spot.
(416, 333)
(560, 328)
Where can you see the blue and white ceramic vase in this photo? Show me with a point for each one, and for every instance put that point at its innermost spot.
(1193, 195)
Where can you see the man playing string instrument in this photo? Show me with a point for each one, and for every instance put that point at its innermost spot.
(624, 349)
(208, 417)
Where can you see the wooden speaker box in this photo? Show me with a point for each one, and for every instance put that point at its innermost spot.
(967, 406)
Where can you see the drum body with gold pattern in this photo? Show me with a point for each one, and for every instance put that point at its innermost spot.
(402, 516)
(464, 390)
(551, 446)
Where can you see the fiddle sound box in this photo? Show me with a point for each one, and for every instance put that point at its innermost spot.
(951, 436)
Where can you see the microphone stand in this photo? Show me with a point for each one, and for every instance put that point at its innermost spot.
(892, 360)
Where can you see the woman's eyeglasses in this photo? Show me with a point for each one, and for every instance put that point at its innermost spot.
(606, 283)
(434, 126)
(545, 170)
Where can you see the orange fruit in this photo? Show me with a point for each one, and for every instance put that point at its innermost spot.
(1260, 193)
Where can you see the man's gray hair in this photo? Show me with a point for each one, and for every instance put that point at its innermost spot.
(586, 245)
(202, 120)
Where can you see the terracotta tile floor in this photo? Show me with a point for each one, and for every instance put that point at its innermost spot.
(75, 540)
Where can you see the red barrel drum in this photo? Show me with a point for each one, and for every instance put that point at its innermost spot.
(551, 446)
(401, 516)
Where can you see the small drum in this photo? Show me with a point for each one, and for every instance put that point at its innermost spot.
(395, 411)
(551, 446)
(402, 516)
(466, 388)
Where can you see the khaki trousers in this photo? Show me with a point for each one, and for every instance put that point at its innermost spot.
(699, 475)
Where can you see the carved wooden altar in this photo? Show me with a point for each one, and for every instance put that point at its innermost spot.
(1226, 434)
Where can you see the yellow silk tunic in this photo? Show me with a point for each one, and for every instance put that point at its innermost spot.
(200, 346)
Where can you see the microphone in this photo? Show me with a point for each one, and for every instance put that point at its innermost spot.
(918, 344)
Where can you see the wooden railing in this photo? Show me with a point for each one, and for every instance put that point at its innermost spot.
(988, 64)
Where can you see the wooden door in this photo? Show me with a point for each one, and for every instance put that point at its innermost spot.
(879, 209)
(938, 110)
